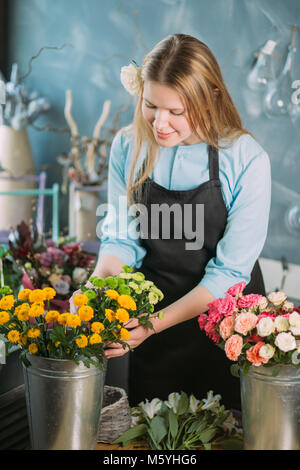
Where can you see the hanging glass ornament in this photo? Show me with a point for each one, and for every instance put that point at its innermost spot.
(262, 72)
(277, 101)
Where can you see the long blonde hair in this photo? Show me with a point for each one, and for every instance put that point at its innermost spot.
(186, 65)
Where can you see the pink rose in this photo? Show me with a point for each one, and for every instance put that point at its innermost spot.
(248, 301)
(228, 305)
(245, 322)
(233, 347)
(227, 327)
(46, 259)
(266, 314)
(253, 354)
(236, 289)
(254, 339)
(210, 330)
(202, 320)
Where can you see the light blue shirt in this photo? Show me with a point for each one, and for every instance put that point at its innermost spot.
(245, 176)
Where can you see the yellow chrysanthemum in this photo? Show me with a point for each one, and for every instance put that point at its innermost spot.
(33, 333)
(122, 315)
(80, 300)
(112, 294)
(24, 294)
(62, 319)
(52, 315)
(7, 302)
(97, 327)
(4, 317)
(32, 348)
(49, 292)
(110, 314)
(13, 336)
(22, 315)
(82, 341)
(37, 295)
(22, 308)
(126, 301)
(73, 321)
(23, 340)
(36, 310)
(95, 339)
(124, 334)
(86, 313)
(57, 344)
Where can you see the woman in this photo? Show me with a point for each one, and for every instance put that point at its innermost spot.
(185, 148)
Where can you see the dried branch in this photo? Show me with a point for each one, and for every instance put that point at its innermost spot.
(74, 131)
(37, 55)
(91, 152)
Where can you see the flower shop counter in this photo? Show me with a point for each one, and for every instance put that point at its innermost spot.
(137, 446)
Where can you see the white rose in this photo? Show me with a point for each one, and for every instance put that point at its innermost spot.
(267, 351)
(294, 319)
(285, 342)
(79, 275)
(131, 78)
(277, 298)
(281, 324)
(62, 287)
(265, 326)
(262, 303)
(288, 306)
(295, 330)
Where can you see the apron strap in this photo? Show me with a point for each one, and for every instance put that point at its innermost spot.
(213, 155)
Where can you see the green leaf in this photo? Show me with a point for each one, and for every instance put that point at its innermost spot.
(207, 446)
(231, 444)
(207, 435)
(183, 404)
(131, 434)
(276, 371)
(173, 423)
(158, 428)
(234, 369)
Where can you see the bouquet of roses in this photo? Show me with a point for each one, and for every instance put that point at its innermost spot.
(184, 423)
(64, 266)
(253, 329)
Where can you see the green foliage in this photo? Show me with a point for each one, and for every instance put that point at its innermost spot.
(176, 424)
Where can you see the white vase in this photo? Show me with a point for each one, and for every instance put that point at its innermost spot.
(82, 213)
(17, 161)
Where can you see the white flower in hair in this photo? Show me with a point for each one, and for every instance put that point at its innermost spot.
(131, 78)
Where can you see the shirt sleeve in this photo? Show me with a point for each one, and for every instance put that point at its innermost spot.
(117, 239)
(246, 229)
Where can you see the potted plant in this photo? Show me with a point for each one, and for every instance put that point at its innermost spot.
(63, 353)
(261, 335)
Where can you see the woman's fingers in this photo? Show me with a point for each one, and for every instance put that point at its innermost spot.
(132, 323)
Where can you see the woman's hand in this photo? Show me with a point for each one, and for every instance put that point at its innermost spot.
(73, 308)
(138, 334)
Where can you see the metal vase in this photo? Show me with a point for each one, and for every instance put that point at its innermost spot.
(271, 408)
(64, 403)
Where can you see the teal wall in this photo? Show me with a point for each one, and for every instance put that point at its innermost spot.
(105, 34)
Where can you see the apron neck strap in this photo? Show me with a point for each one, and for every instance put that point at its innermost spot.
(213, 155)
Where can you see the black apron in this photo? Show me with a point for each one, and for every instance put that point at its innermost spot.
(183, 358)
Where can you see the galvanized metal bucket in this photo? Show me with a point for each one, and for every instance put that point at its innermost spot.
(271, 408)
(64, 403)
